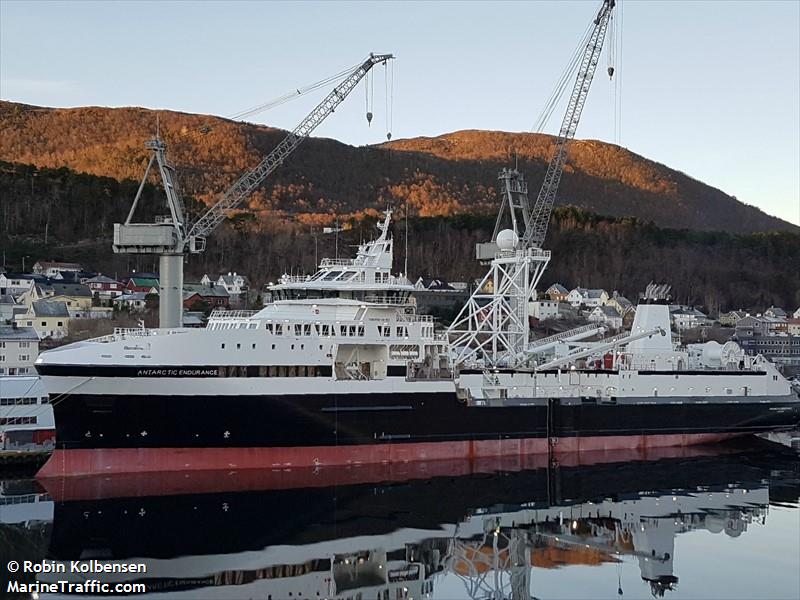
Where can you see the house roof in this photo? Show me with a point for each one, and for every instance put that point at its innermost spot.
(143, 282)
(590, 292)
(690, 312)
(776, 312)
(193, 319)
(23, 334)
(26, 276)
(43, 264)
(206, 291)
(101, 279)
(435, 284)
(608, 311)
(44, 308)
(74, 276)
(7, 299)
(71, 289)
(557, 287)
(231, 279)
(132, 296)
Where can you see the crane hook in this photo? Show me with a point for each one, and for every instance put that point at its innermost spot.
(610, 72)
(369, 118)
(389, 135)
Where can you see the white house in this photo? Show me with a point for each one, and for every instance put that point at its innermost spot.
(775, 313)
(607, 315)
(796, 314)
(234, 284)
(16, 285)
(544, 309)
(54, 269)
(134, 301)
(19, 347)
(587, 297)
(689, 318)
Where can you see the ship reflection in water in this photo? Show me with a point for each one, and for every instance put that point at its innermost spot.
(690, 523)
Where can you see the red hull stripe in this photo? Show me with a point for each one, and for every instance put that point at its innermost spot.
(105, 461)
(144, 484)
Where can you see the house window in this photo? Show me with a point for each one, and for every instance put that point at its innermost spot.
(60, 323)
(44, 323)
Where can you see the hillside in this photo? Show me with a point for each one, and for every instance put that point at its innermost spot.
(448, 175)
(63, 215)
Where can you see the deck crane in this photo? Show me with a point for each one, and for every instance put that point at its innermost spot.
(171, 236)
(492, 328)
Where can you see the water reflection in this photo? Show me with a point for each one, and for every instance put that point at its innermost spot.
(482, 533)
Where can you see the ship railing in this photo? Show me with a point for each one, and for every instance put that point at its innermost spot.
(293, 279)
(390, 300)
(336, 262)
(231, 315)
(415, 318)
(133, 332)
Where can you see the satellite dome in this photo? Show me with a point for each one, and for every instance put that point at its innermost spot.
(507, 239)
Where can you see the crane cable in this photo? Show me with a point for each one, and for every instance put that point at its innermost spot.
(562, 83)
(294, 94)
(389, 98)
(618, 82)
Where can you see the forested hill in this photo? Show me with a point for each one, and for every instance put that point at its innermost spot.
(454, 174)
(59, 214)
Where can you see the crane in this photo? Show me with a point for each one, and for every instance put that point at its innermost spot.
(492, 329)
(536, 228)
(171, 236)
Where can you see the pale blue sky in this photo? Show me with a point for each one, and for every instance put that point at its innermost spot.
(709, 88)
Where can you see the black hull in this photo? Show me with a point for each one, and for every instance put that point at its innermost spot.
(96, 422)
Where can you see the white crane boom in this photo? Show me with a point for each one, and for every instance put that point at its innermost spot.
(248, 182)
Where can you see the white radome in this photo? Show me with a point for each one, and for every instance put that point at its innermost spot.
(507, 239)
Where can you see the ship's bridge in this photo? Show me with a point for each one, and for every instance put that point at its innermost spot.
(365, 278)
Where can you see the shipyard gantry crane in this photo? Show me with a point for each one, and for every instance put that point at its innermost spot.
(171, 236)
(492, 328)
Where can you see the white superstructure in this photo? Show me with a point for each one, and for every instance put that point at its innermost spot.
(349, 324)
(644, 365)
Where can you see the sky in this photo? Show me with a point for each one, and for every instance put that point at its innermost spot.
(709, 88)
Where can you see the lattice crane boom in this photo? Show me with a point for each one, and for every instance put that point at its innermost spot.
(248, 182)
(540, 217)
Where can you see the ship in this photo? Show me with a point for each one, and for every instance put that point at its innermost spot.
(341, 370)
(27, 425)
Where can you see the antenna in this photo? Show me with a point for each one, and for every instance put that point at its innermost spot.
(405, 266)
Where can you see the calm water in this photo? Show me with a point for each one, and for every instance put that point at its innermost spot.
(703, 523)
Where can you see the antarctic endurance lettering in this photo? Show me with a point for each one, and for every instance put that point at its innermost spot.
(178, 372)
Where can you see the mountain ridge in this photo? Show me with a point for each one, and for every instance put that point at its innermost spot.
(454, 173)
